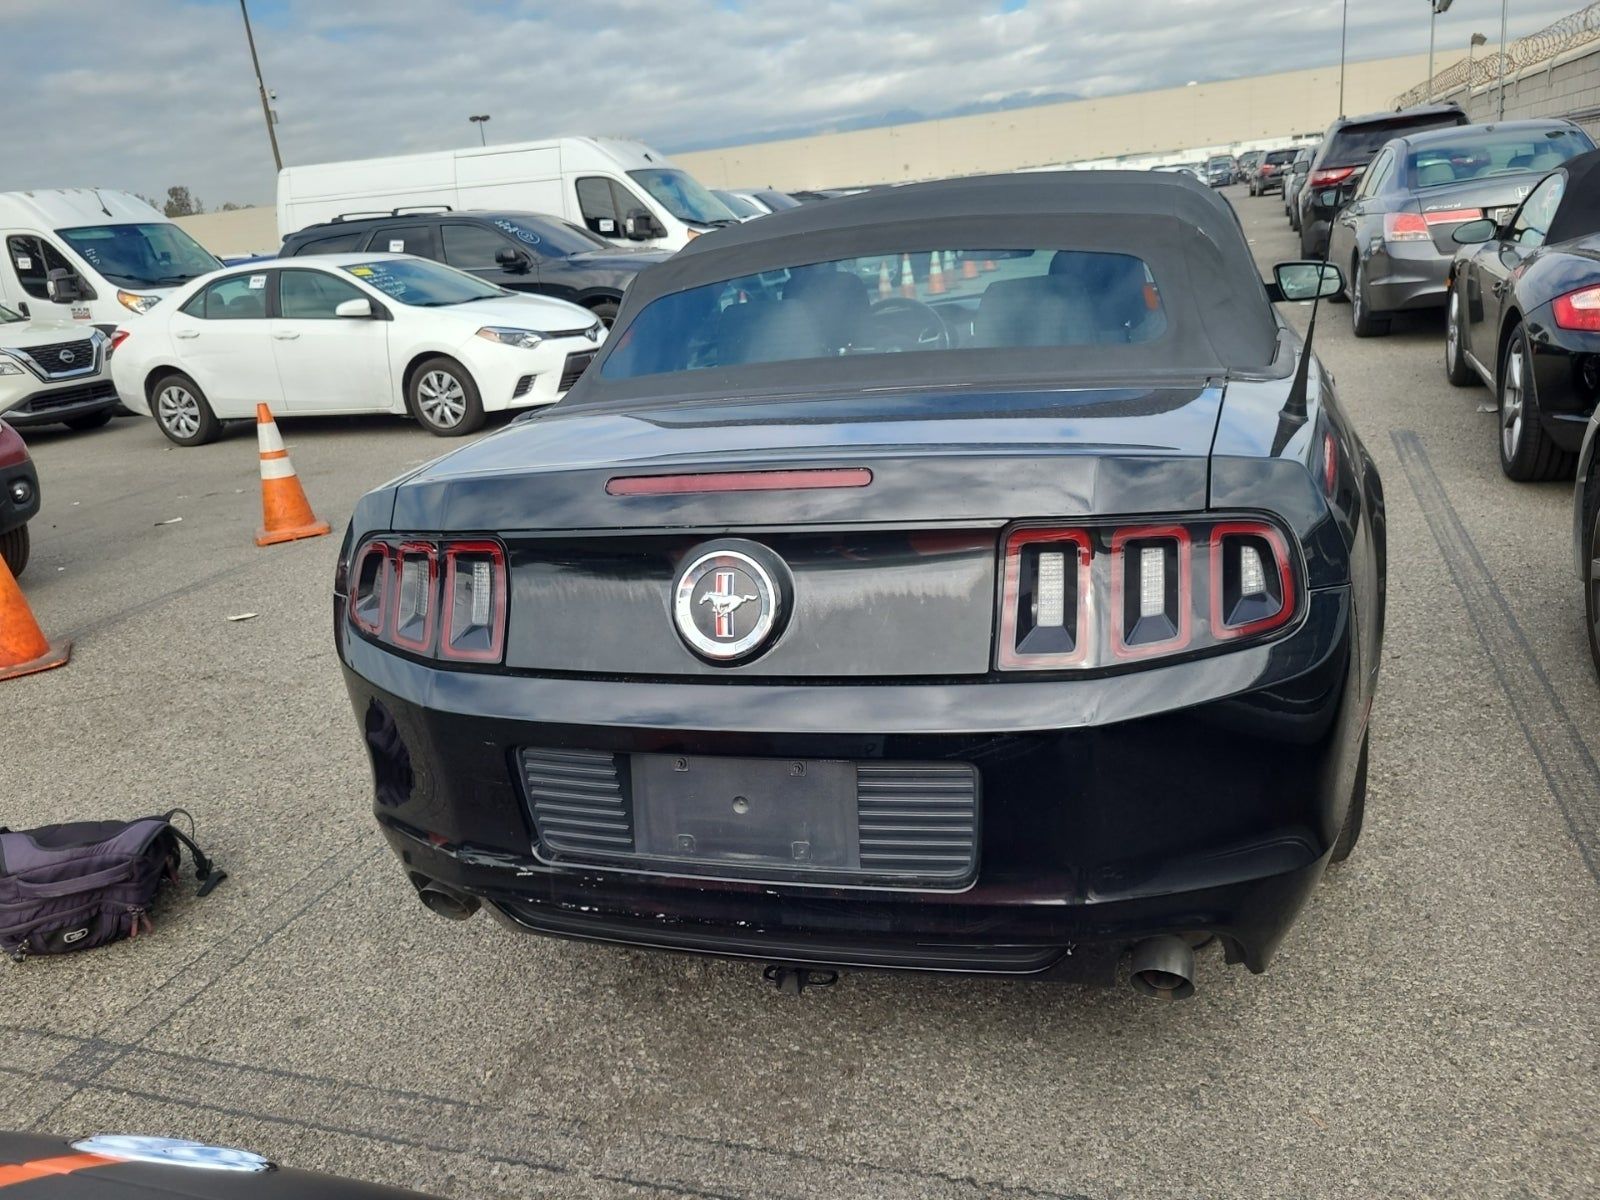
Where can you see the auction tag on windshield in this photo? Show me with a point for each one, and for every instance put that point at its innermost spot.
(24, 263)
(607, 225)
(361, 271)
(397, 245)
(258, 281)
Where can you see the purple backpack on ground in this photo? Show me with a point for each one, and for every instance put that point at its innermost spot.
(81, 885)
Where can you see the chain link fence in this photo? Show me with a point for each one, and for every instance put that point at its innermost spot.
(1554, 40)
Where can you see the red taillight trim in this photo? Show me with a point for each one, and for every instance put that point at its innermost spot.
(1008, 657)
(1328, 176)
(497, 619)
(1280, 551)
(381, 549)
(1151, 533)
(1579, 310)
(429, 551)
(738, 481)
(1451, 216)
(118, 336)
(1405, 227)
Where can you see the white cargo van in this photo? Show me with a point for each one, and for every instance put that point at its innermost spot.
(91, 255)
(621, 190)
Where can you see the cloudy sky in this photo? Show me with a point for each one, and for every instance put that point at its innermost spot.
(141, 94)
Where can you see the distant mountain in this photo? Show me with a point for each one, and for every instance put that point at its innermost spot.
(894, 116)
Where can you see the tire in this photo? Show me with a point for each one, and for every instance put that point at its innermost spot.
(1526, 452)
(182, 411)
(1294, 217)
(444, 399)
(1350, 831)
(14, 547)
(1456, 369)
(1363, 321)
(1591, 571)
(606, 310)
(94, 420)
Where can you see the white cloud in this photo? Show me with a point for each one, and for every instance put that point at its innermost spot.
(145, 95)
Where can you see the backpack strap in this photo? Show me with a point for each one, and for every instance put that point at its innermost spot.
(205, 870)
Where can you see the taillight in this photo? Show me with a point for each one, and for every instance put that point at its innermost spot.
(1452, 216)
(445, 600)
(1105, 595)
(1578, 310)
(1330, 176)
(117, 338)
(1405, 227)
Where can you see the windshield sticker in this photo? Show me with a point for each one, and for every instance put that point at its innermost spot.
(516, 231)
(24, 263)
(80, 314)
(90, 253)
(361, 271)
(397, 245)
(607, 225)
(257, 281)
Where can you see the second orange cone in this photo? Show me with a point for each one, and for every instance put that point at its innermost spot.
(285, 512)
(24, 650)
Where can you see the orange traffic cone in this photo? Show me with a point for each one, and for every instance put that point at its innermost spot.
(936, 275)
(285, 513)
(908, 284)
(24, 650)
(969, 268)
(988, 265)
(885, 283)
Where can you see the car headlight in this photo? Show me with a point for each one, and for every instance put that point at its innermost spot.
(526, 339)
(138, 303)
(7, 367)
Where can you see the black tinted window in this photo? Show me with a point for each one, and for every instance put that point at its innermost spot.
(599, 207)
(404, 239)
(332, 243)
(1354, 145)
(33, 259)
(472, 247)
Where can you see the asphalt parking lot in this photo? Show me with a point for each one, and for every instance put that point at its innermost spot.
(1428, 1028)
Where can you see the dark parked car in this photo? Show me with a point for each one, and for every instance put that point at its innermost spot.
(1586, 534)
(1245, 164)
(19, 498)
(519, 251)
(1347, 147)
(117, 1167)
(1266, 176)
(1393, 238)
(1004, 629)
(1220, 170)
(1524, 317)
(1293, 180)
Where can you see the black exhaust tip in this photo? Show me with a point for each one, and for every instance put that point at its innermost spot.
(452, 906)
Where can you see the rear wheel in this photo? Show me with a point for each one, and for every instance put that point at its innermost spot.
(1591, 586)
(1363, 320)
(1350, 832)
(90, 420)
(606, 310)
(1455, 356)
(444, 399)
(14, 546)
(182, 411)
(1526, 452)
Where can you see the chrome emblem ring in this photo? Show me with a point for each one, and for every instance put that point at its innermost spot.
(725, 605)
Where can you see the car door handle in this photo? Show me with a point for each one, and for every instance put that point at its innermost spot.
(186, 333)
(286, 335)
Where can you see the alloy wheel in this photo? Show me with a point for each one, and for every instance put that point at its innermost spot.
(442, 398)
(178, 411)
(1594, 583)
(1452, 331)
(1512, 392)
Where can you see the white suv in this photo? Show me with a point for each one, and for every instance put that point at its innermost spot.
(348, 333)
(53, 372)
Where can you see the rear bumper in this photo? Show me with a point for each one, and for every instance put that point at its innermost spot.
(1408, 276)
(12, 514)
(1197, 798)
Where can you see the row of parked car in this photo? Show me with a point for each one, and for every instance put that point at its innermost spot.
(1499, 226)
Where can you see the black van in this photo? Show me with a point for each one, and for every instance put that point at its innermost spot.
(1348, 146)
(519, 251)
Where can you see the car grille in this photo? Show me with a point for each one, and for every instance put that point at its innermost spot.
(63, 358)
(916, 821)
(65, 397)
(574, 368)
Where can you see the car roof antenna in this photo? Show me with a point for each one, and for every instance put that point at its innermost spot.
(1295, 409)
(101, 202)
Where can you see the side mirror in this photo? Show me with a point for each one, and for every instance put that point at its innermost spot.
(1329, 198)
(641, 226)
(62, 286)
(511, 259)
(357, 309)
(1474, 232)
(1307, 280)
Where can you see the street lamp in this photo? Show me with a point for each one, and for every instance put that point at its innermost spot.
(480, 121)
(1477, 40)
(1436, 7)
(1504, 5)
(1344, 29)
(266, 105)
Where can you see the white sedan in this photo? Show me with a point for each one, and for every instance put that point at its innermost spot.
(347, 333)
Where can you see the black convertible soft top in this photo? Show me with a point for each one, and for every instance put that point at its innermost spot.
(1219, 316)
(1578, 214)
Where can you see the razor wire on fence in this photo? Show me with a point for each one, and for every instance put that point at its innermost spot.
(1551, 42)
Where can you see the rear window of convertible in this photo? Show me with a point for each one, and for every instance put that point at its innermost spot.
(925, 302)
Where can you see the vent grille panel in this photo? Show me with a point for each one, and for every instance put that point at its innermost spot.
(917, 819)
(578, 801)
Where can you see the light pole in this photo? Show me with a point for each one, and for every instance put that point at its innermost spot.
(1477, 40)
(480, 121)
(1435, 8)
(1504, 6)
(266, 107)
(1344, 26)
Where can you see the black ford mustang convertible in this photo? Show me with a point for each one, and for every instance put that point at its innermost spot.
(972, 576)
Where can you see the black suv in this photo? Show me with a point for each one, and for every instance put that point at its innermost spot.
(1348, 146)
(520, 251)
